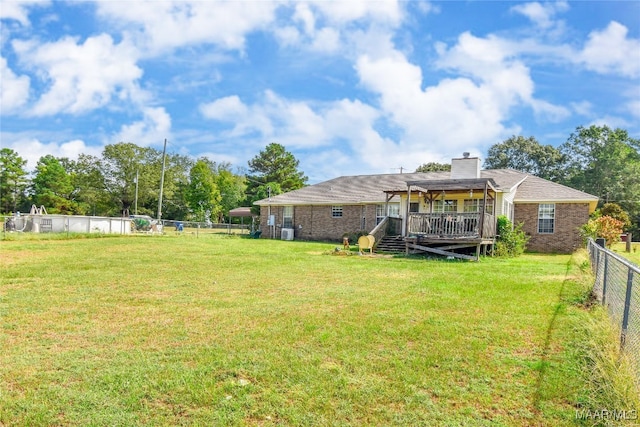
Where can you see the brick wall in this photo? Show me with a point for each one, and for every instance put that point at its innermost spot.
(317, 223)
(565, 238)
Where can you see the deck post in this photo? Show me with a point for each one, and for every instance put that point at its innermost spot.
(406, 216)
(484, 208)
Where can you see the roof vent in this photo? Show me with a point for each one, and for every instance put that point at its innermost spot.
(466, 154)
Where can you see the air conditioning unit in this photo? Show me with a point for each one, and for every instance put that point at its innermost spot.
(286, 234)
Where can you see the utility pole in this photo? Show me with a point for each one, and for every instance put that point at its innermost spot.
(164, 155)
(135, 208)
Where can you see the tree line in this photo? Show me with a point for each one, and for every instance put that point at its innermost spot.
(125, 179)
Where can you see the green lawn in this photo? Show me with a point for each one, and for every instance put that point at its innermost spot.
(633, 256)
(224, 330)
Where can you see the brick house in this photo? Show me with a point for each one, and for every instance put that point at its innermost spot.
(447, 211)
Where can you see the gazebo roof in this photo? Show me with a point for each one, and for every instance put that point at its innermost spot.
(241, 212)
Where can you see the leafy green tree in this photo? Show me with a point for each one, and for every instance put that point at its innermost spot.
(275, 164)
(606, 163)
(615, 211)
(52, 187)
(526, 155)
(13, 180)
(176, 182)
(88, 185)
(232, 187)
(120, 164)
(203, 195)
(434, 167)
(600, 161)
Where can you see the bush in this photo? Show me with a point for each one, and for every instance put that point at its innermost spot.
(511, 241)
(354, 236)
(605, 226)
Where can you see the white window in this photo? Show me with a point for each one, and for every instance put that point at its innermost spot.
(507, 209)
(472, 205)
(546, 218)
(445, 206)
(475, 205)
(394, 211)
(287, 217)
(336, 211)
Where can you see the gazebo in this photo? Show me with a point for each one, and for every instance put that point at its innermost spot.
(242, 213)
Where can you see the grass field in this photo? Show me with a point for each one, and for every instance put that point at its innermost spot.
(633, 256)
(224, 330)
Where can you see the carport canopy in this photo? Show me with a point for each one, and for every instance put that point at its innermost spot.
(241, 212)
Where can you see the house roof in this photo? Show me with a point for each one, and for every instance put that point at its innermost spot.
(536, 189)
(451, 185)
(364, 189)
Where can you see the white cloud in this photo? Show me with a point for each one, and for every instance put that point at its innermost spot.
(81, 77)
(610, 51)
(350, 125)
(32, 149)
(15, 89)
(168, 25)
(456, 114)
(341, 12)
(330, 27)
(246, 119)
(327, 40)
(292, 123)
(549, 112)
(634, 108)
(610, 121)
(154, 127)
(541, 14)
(304, 15)
(19, 10)
(583, 108)
(225, 109)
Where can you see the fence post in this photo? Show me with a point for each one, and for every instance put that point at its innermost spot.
(604, 280)
(627, 305)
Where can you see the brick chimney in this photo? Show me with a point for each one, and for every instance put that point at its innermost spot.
(465, 167)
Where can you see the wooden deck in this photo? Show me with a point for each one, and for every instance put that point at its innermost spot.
(447, 234)
(453, 225)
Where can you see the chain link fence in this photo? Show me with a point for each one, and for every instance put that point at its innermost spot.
(137, 224)
(197, 229)
(617, 288)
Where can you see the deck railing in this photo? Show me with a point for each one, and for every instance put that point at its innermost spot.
(452, 224)
(389, 226)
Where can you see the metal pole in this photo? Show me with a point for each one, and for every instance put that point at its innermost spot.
(604, 279)
(135, 209)
(164, 155)
(627, 306)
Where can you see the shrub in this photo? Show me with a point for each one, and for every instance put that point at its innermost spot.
(605, 226)
(354, 236)
(615, 211)
(511, 241)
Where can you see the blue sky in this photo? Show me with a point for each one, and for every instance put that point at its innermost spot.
(351, 87)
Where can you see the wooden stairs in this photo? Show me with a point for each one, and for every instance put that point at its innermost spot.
(391, 244)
